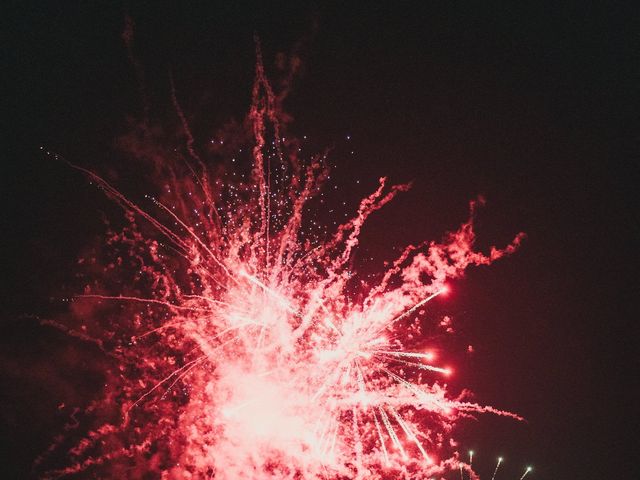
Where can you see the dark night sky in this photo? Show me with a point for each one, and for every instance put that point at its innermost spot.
(532, 107)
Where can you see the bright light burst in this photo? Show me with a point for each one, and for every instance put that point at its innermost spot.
(245, 345)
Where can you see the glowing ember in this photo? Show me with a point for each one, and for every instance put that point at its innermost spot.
(245, 344)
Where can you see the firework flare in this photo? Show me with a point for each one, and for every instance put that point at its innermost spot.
(244, 344)
(466, 471)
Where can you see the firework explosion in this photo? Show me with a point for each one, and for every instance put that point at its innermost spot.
(244, 344)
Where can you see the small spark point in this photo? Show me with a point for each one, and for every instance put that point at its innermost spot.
(527, 470)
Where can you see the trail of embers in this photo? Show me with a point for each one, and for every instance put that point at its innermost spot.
(240, 350)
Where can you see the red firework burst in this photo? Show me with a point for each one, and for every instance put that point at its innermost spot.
(244, 343)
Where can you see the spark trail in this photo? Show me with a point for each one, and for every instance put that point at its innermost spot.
(240, 349)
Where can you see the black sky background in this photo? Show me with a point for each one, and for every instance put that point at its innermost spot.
(533, 107)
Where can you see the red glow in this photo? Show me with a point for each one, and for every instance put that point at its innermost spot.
(242, 353)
